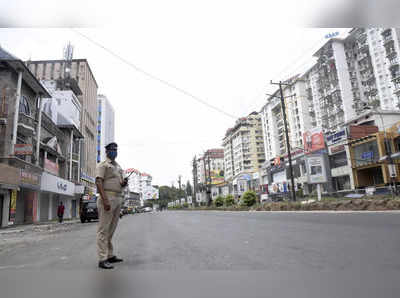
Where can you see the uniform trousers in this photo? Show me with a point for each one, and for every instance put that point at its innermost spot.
(108, 221)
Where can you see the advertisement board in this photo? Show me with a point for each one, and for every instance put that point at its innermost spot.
(313, 140)
(51, 167)
(336, 137)
(316, 169)
(23, 149)
(216, 177)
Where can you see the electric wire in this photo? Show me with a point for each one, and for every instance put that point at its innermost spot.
(153, 77)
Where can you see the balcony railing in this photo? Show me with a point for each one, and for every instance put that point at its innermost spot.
(26, 124)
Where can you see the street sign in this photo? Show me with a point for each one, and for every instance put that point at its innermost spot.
(392, 171)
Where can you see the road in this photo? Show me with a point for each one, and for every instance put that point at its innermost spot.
(211, 254)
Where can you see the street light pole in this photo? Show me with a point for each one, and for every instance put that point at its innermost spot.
(287, 139)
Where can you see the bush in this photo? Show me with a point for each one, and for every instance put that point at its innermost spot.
(229, 200)
(185, 205)
(219, 201)
(249, 198)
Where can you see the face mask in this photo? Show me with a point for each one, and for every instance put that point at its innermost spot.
(112, 154)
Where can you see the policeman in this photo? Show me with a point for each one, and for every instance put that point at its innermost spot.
(109, 182)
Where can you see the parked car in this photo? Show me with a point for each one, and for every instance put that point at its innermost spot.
(89, 211)
(148, 209)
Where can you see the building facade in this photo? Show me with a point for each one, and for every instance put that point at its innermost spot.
(105, 126)
(79, 70)
(243, 151)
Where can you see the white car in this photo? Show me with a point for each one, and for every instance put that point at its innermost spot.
(148, 209)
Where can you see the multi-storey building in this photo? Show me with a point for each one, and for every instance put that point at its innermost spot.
(141, 183)
(105, 126)
(211, 164)
(296, 105)
(39, 145)
(350, 74)
(244, 147)
(79, 70)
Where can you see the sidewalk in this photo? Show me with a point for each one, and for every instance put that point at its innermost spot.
(40, 226)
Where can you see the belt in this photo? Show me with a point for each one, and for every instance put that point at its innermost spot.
(113, 192)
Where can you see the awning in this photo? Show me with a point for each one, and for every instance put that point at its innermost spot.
(394, 155)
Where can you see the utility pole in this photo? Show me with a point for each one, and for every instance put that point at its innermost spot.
(287, 138)
(194, 199)
(209, 180)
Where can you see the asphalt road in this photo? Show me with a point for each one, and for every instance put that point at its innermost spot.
(211, 254)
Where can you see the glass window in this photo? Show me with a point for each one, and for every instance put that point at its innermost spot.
(24, 106)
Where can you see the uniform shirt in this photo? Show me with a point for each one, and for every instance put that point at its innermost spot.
(112, 175)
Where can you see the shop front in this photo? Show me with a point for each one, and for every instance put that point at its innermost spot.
(9, 185)
(55, 190)
(27, 198)
(366, 154)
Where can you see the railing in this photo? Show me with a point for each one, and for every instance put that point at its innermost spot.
(26, 120)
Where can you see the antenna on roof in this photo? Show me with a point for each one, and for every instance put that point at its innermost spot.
(68, 53)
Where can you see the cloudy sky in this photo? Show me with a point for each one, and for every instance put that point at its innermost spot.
(224, 55)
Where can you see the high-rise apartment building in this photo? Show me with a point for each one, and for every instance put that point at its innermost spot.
(297, 114)
(105, 126)
(79, 71)
(244, 147)
(359, 71)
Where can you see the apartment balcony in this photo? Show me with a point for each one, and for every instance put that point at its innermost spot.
(388, 40)
(386, 31)
(26, 125)
(363, 48)
(391, 53)
(361, 37)
(395, 75)
(361, 57)
(396, 89)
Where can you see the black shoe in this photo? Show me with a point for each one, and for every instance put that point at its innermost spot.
(105, 265)
(114, 259)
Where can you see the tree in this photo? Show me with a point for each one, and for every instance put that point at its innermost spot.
(249, 198)
(219, 201)
(189, 190)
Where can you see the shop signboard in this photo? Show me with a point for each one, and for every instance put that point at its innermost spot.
(313, 140)
(23, 149)
(336, 137)
(336, 149)
(316, 169)
(29, 179)
(51, 166)
(57, 185)
(86, 177)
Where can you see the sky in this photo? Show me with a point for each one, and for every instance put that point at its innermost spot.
(224, 55)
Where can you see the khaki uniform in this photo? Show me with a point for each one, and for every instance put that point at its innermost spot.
(112, 176)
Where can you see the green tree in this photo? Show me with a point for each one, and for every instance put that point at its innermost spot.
(219, 201)
(249, 198)
(189, 189)
(229, 200)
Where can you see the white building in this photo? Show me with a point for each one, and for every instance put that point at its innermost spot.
(105, 126)
(141, 183)
(297, 115)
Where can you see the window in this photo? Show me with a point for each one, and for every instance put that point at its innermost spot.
(24, 106)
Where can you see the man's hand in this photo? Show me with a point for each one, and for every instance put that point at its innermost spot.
(106, 204)
(125, 182)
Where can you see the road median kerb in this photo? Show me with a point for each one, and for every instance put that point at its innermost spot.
(385, 204)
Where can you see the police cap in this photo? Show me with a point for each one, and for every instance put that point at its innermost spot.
(111, 146)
